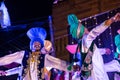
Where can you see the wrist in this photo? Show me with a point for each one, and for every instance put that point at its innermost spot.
(109, 21)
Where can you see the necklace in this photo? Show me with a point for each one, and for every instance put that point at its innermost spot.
(34, 56)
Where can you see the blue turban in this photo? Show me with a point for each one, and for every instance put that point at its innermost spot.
(36, 34)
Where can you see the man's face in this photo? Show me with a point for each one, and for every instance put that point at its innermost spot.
(36, 45)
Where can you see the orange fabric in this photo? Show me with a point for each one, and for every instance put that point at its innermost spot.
(108, 22)
(47, 73)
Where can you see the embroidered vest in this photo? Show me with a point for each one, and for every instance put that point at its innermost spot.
(40, 65)
(86, 61)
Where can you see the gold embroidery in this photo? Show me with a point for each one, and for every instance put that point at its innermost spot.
(34, 57)
(87, 65)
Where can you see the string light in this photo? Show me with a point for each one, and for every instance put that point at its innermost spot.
(72, 42)
(99, 39)
(95, 17)
(111, 38)
(90, 17)
(110, 33)
(85, 22)
(108, 17)
(100, 44)
(111, 45)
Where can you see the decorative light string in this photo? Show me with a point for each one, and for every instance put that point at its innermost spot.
(111, 36)
(98, 38)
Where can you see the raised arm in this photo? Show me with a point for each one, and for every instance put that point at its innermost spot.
(101, 28)
(15, 57)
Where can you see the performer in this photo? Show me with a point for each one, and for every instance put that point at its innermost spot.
(32, 64)
(117, 44)
(36, 64)
(117, 53)
(92, 61)
(35, 69)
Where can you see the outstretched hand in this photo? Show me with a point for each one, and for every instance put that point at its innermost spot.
(113, 19)
(116, 17)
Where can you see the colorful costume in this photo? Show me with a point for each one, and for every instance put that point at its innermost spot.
(117, 43)
(32, 64)
(34, 60)
(92, 61)
(117, 53)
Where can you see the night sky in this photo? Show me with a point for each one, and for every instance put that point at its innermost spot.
(24, 14)
(23, 11)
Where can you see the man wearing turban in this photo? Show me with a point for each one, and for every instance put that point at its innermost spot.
(92, 67)
(37, 64)
(32, 63)
(35, 69)
(117, 53)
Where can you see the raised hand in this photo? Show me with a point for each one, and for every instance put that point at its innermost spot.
(115, 18)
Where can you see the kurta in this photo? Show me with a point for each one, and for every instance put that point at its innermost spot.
(98, 71)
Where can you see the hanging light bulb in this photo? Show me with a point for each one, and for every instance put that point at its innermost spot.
(90, 17)
(99, 39)
(110, 27)
(72, 42)
(85, 22)
(95, 20)
(100, 44)
(110, 33)
(112, 51)
(111, 45)
(108, 17)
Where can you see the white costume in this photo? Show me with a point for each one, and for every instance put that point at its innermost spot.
(15, 57)
(99, 68)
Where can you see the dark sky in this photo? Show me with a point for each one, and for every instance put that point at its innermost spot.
(27, 10)
(24, 14)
